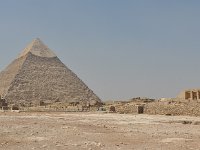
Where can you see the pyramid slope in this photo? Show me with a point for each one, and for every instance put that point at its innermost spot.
(8, 75)
(34, 78)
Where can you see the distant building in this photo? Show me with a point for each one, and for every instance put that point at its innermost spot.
(190, 94)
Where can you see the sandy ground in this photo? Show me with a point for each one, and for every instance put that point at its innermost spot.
(95, 131)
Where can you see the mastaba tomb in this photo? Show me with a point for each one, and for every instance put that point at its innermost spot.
(190, 94)
(38, 75)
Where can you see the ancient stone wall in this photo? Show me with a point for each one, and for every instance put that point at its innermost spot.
(191, 108)
(125, 108)
(166, 107)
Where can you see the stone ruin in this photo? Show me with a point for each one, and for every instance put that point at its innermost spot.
(3, 103)
(38, 77)
(164, 106)
(173, 106)
(134, 105)
(191, 94)
(187, 103)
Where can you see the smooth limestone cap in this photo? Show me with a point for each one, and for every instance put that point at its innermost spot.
(38, 48)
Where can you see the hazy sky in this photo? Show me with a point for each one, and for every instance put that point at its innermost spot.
(119, 48)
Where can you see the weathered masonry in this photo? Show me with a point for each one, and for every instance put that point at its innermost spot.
(191, 94)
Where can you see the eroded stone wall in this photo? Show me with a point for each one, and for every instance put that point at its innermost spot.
(191, 108)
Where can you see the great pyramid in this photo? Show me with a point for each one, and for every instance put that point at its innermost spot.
(39, 75)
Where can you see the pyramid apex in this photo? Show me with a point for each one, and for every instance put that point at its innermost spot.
(37, 39)
(38, 48)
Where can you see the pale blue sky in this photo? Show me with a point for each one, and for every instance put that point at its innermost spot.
(119, 48)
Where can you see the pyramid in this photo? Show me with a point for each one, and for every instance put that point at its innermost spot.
(38, 75)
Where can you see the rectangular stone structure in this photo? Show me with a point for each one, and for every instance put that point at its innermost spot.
(190, 94)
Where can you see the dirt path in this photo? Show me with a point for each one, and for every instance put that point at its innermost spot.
(95, 131)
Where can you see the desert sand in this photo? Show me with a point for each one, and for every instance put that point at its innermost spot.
(96, 131)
